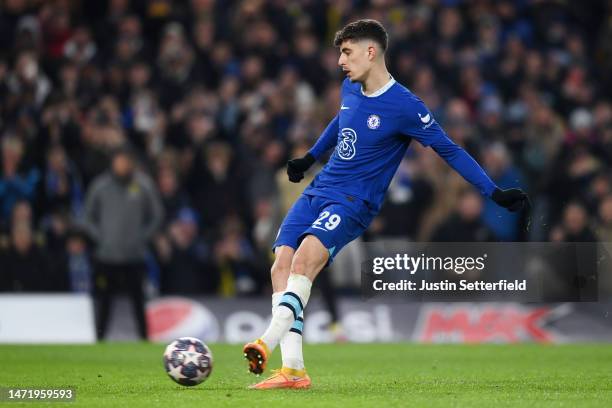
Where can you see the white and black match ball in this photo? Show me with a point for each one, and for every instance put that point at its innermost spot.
(188, 361)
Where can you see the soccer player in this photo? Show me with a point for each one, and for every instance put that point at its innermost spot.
(376, 122)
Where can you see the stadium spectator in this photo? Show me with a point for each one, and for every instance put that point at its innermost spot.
(240, 268)
(173, 196)
(54, 232)
(575, 225)
(26, 266)
(498, 164)
(217, 185)
(61, 183)
(466, 224)
(78, 262)
(15, 184)
(604, 225)
(184, 257)
(22, 213)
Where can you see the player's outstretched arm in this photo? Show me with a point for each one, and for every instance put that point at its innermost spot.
(513, 199)
(419, 123)
(328, 139)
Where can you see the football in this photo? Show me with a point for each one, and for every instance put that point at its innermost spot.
(188, 361)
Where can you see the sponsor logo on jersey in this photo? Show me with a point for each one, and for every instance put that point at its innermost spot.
(346, 145)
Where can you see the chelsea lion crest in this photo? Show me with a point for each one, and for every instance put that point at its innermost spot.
(373, 121)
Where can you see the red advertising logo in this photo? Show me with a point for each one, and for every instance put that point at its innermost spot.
(508, 324)
(171, 317)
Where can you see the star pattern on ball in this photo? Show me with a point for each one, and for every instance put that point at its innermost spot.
(175, 372)
(192, 357)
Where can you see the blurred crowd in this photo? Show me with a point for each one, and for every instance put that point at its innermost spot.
(212, 97)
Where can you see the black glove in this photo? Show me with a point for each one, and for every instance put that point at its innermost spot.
(297, 167)
(514, 199)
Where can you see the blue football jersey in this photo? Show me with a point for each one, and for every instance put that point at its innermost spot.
(371, 134)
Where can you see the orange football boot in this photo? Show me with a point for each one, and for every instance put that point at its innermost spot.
(256, 354)
(284, 378)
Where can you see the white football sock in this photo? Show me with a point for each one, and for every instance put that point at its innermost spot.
(276, 299)
(291, 349)
(290, 306)
(291, 343)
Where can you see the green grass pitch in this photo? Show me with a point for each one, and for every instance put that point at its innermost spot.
(344, 375)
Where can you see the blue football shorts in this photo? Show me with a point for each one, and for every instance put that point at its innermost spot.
(334, 222)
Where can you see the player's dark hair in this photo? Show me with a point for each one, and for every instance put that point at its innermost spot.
(361, 30)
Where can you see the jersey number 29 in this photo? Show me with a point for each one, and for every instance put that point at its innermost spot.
(332, 221)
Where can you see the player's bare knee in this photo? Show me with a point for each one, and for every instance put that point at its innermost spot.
(298, 266)
(280, 270)
(310, 258)
(302, 265)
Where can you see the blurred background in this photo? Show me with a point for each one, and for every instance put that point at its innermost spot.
(193, 107)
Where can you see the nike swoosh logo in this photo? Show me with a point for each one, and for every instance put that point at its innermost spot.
(344, 107)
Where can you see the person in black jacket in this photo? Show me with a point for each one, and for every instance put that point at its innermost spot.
(26, 266)
(465, 225)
